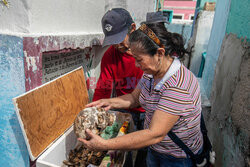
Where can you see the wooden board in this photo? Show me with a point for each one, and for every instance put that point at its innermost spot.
(47, 111)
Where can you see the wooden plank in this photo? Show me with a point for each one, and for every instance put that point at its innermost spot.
(46, 112)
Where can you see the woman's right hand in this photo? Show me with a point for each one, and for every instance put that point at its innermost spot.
(102, 103)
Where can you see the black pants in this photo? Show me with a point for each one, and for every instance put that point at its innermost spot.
(140, 160)
(141, 156)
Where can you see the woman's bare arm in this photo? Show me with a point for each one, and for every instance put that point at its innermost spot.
(122, 102)
(161, 124)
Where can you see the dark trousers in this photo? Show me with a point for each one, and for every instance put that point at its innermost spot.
(141, 156)
(140, 160)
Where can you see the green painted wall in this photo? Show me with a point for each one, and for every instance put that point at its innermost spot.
(239, 18)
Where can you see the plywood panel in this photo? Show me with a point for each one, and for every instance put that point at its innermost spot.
(49, 110)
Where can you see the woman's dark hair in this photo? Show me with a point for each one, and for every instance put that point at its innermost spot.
(173, 42)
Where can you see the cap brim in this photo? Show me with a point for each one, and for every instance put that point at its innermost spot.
(158, 21)
(115, 39)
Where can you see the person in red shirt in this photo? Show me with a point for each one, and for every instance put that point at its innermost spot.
(118, 74)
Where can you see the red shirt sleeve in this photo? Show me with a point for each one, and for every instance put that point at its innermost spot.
(104, 85)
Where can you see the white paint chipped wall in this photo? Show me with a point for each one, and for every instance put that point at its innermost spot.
(50, 17)
(137, 8)
(14, 17)
(66, 16)
(60, 17)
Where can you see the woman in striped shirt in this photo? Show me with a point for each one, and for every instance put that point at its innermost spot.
(168, 92)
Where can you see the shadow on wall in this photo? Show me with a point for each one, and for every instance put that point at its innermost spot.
(16, 129)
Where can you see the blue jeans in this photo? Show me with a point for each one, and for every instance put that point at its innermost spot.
(155, 159)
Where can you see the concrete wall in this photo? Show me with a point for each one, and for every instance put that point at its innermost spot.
(56, 17)
(41, 17)
(215, 41)
(13, 150)
(202, 30)
(226, 81)
(66, 16)
(15, 18)
(138, 9)
(229, 18)
(228, 123)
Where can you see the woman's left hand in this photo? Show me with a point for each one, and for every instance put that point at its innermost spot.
(102, 103)
(94, 142)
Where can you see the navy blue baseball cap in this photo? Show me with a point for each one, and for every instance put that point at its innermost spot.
(156, 17)
(115, 24)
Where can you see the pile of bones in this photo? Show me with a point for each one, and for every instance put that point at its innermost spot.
(95, 119)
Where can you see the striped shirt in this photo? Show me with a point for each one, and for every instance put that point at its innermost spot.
(178, 94)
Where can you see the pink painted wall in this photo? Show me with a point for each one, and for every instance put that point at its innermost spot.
(33, 48)
(184, 4)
